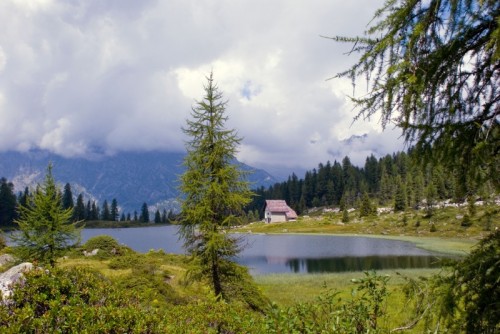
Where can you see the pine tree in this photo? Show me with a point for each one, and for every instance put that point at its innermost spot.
(106, 214)
(144, 213)
(94, 212)
(8, 203)
(214, 188)
(433, 69)
(400, 196)
(45, 228)
(88, 210)
(67, 198)
(114, 213)
(430, 198)
(23, 197)
(366, 208)
(79, 209)
(157, 217)
(345, 215)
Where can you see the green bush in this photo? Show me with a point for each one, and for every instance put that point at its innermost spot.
(362, 313)
(462, 299)
(74, 301)
(466, 221)
(124, 262)
(106, 245)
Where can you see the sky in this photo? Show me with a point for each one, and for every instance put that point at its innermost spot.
(82, 77)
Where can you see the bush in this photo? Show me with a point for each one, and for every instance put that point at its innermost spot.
(330, 314)
(462, 299)
(106, 245)
(68, 301)
(466, 221)
(124, 262)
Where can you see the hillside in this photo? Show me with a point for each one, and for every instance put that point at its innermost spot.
(131, 177)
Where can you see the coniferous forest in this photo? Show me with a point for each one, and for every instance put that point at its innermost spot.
(83, 210)
(399, 181)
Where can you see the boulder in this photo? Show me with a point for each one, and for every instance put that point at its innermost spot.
(12, 276)
(92, 253)
(6, 258)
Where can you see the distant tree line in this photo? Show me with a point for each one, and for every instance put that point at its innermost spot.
(399, 181)
(82, 211)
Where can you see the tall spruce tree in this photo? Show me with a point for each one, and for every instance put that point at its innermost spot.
(114, 214)
(157, 217)
(45, 228)
(79, 209)
(106, 214)
(67, 197)
(400, 196)
(433, 68)
(144, 213)
(8, 202)
(215, 191)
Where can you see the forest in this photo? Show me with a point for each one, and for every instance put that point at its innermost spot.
(89, 210)
(399, 181)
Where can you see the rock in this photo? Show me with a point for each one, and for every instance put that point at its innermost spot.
(6, 258)
(92, 253)
(12, 276)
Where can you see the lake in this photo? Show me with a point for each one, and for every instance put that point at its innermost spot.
(287, 253)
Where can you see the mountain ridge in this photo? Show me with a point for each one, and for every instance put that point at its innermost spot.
(131, 177)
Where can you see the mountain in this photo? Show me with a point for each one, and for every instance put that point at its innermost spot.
(354, 139)
(131, 177)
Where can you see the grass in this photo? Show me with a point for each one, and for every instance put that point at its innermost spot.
(287, 289)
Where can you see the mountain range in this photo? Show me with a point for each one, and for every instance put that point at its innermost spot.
(132, 178)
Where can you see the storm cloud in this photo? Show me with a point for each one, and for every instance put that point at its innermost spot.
(80, 77)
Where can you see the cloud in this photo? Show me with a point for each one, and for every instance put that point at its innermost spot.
(81, 76)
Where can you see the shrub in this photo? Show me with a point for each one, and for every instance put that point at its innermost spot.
(124, 262)
(466, 221)
(106, 245)
(463, 299)
(330, 314)
(70, 300)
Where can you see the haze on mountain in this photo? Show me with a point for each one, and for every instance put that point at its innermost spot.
(132, 178)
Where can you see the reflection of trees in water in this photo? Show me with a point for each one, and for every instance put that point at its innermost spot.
(341, 264)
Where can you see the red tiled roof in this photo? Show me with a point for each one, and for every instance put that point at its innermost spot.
(291, 214)
(278, 205)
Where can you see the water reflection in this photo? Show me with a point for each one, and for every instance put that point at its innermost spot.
(267, 265)
(350, 263)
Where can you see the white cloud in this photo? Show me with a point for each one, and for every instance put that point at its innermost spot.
(79, 76)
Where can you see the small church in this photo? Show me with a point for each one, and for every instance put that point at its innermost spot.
(278, 211)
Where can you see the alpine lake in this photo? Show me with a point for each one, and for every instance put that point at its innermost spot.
(289, 253)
